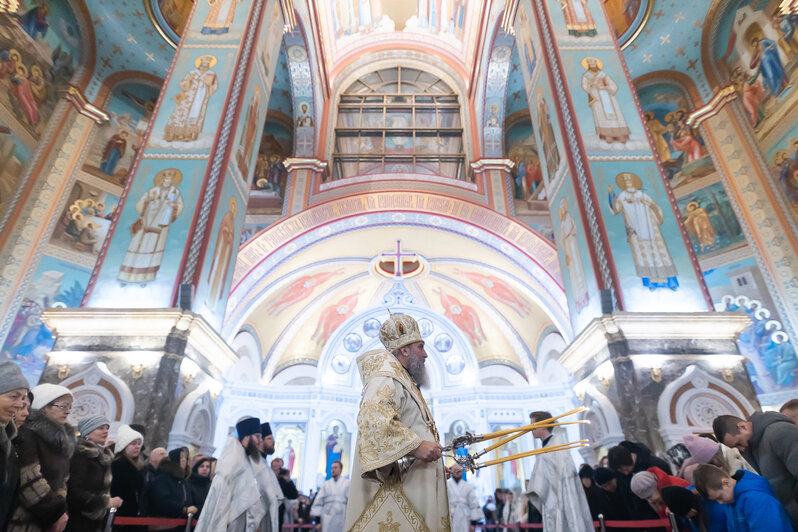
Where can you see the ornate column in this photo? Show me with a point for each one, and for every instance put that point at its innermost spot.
(160, 368)
(303, 173)
(615, 221)
(657, 377)
(175, 239)
(620, 239)
(759, 206)
(497, 178)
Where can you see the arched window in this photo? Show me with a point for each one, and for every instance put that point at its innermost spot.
(399, 120)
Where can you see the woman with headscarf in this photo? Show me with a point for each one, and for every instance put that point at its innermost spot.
(89, 485)
(200, 481)
(44, 446)
(169, 495)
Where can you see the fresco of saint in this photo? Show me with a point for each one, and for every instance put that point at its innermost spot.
(220, 17)
(222, 254)
(578, 19)
(699, 225)
(573, 258)
(188, 117)
(643, 218)
(158, 208)
(550, 150)
(601, 90)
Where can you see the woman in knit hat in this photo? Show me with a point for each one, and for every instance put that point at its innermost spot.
(89, 486)
(44, 445)
(127, 479)
(707, 451)
(13, 389)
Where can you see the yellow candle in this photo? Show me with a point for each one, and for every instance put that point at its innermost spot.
(562, 447)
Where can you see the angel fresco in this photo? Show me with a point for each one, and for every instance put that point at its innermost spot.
(464, 316)
(333, 316)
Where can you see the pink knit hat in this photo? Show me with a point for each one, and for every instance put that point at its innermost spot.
(701, 449)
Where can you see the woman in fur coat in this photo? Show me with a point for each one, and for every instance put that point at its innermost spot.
(127, 477)
(169, 495)
(44, 445)
(89, 485)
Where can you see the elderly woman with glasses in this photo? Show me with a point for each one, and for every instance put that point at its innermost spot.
(44, 445)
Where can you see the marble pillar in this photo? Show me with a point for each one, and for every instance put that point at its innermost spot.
(654, 377)
(159, 368)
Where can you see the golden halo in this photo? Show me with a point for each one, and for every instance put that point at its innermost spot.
(669, 116)
(599, 62)
(24, 70)
(693, 204)
(174, 173)
(779, 157)
(36, 68)
(77, 216)
(233, 206)
(206, 56)
(88, 202)
(636, 181)
(74, 208)
(14, 54)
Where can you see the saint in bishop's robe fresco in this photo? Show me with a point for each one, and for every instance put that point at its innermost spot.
(158, 208)
(188, 117)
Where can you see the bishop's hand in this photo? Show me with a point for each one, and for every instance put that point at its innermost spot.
(428, 451)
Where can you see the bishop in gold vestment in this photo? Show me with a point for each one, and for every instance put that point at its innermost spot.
(398, 477)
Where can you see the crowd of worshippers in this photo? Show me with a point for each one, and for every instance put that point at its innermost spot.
(56, 477)
(741, 477)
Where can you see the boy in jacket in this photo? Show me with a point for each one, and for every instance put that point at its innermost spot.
(752, 506)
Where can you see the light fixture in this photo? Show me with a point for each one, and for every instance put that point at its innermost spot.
(727, 374)
(136, 371)
(63, 371)
(656, 374)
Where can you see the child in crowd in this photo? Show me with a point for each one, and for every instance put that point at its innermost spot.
(752, 506)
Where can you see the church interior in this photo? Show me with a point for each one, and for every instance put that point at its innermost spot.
(207, 209)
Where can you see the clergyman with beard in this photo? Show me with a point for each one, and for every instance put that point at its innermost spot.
(239, 498)
(271, 482)
(398, 476)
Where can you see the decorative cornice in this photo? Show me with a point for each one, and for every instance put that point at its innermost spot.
(83, 106)
(492, 164)
(650, 326)
(300, 163)
(721, 98)
(99, 323)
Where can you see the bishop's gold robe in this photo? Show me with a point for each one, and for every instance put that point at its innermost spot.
(392, 422)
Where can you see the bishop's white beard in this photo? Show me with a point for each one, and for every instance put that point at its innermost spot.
(418, 371)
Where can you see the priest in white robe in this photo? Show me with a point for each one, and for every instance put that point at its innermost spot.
(237, 501)
(464, 509)
(268, 481)
(330, 502)
(398, 476)
(555, 488)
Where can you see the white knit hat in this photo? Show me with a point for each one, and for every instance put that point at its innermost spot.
(124, 437)
(44, 394)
